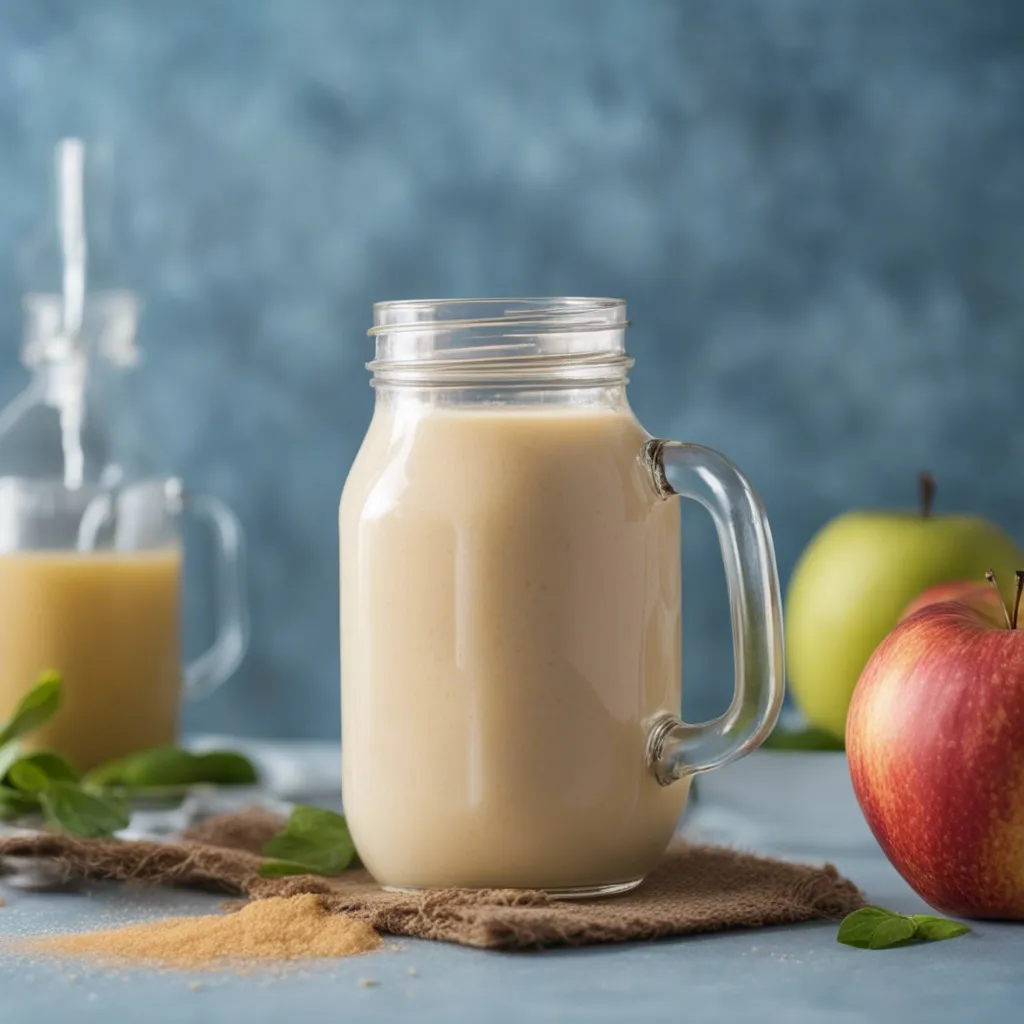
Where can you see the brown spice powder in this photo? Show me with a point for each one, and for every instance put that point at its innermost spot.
(275, 929)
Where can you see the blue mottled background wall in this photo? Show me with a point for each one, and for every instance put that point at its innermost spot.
(815, 211)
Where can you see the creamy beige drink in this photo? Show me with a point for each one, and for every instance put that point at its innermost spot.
(109, 624)
(511, 598)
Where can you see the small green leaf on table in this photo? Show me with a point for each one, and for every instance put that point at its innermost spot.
(895, 931)
(878, 928)
(314, 841)
(859, 927)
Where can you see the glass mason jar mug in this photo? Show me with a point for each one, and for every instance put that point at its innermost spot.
(510, 606)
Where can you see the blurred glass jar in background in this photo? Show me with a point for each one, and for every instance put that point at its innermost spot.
(90, 528)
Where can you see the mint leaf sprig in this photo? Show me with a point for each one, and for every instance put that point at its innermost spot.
(878, 928)
(314, 841)
(163, 768)
(99, 804)
(43, 782)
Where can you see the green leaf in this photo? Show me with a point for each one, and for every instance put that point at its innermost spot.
(225, 768)
(164, 767)
(31, 772)
(859, 927)
(314, 841)
(38, 705)
(878, 928)
(809, 738)
(27, 777)
(935, 929)
(35, 771)
(894, 932)
(69, 807)
(160, 766)
(283, 868)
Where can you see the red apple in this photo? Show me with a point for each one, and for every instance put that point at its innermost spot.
(935, 743)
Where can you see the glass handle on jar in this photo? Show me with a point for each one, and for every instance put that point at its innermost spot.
(675, 748)
(215, 665)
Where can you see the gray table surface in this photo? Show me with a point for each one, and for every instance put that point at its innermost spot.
(784, 974)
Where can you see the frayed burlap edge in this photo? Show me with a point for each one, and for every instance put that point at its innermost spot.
(695, 889)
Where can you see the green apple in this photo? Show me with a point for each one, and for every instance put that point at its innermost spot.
(855, 579)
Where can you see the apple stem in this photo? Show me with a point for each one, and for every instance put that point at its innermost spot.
(1016, 602)
(991, 577)
(926, 488)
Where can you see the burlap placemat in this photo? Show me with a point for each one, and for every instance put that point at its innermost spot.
(695, 889)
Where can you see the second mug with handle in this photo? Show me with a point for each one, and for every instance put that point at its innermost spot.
(90, 582)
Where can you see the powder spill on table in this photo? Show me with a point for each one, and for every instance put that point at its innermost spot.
(272, 930)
